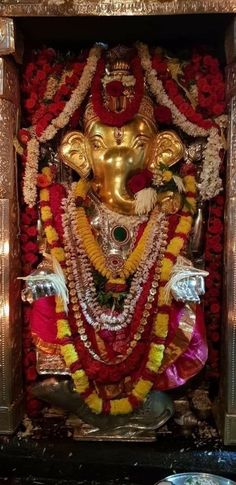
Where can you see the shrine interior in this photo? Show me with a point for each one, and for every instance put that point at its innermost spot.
(50, 436)
(180, 30)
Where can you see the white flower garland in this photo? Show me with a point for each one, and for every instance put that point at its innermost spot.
(78, 95)
(211, 183)
(145, 201)
(76, 98)
(31, 171)
(162, 98)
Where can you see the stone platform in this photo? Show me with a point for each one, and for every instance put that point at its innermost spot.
(46, 453)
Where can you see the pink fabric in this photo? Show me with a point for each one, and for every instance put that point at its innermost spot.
(189, 363)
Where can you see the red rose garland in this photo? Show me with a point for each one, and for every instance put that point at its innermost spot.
(184, 106)
(109, 117)
(30, 259)
(41, 65)
(214, 282)
(205, 71)
(202, 70)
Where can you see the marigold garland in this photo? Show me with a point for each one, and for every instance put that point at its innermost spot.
(95, 253)
(160, 327)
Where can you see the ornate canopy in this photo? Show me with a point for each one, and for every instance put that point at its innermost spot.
(39, 8)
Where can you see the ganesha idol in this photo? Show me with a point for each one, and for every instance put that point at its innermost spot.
(117, 296)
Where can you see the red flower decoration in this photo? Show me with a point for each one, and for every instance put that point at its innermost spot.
(43, 181)
(214, 264)
(163, 115)
(30, 258)
(30, 246)
(160, 66)
(31, 231)
(24, 136)
(115, 88)
(108, 117)
(140, 181)
(187, 169)
(116, 288)
(31, 102)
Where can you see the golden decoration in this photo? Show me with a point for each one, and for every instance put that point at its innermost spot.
(167, 149)
(36, 8)
(74, 154)
(113, 162)
(7, 36)
(170, 202)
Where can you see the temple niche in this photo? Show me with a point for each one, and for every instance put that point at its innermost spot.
(122, 147)
(122, 189)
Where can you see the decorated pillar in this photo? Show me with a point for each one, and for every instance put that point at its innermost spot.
(11, 395)
(226, 411)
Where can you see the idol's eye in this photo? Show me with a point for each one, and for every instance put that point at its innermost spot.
(97, 142)
(96, 145)
(140, 144)
(140, 141)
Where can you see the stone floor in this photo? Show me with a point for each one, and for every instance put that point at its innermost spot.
(44, 452)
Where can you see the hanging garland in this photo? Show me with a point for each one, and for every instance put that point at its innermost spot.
(30, 259)
(142, 384)
(112, 118)
(58, 122)
(211, 183)
(214, 248)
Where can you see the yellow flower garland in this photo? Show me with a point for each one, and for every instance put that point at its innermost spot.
(161, 324)
(92, 247)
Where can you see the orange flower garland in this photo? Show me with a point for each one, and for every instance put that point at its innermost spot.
(143, 384)
(93, 249)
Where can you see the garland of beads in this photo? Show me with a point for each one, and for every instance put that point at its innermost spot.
(80, 269)
(141, 301)
(145, 381)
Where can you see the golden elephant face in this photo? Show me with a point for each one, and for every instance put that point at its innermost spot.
(115, 154)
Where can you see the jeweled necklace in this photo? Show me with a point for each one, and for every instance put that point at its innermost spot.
(130, 221)
(93, 250)
(79, 304)
(143, 381)
(80, 271)
(116, 233)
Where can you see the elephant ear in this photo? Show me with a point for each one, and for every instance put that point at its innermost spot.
(73, 153)
(168, 149)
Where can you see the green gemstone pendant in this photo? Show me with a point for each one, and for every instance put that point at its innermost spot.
(120, 234)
